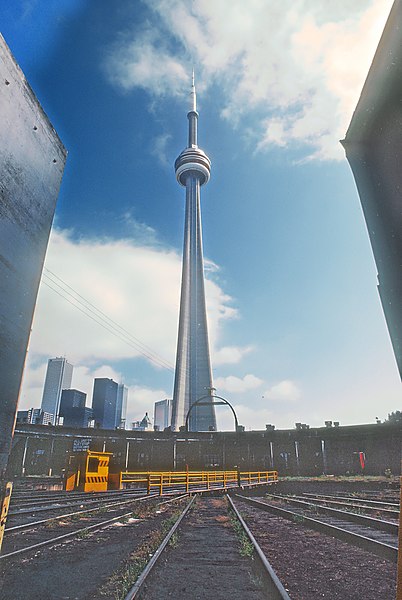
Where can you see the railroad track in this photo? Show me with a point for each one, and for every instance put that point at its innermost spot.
(314, 508)
(352, 511)
(377, 495)
(390, 510)
(380, 538)
(30, 523)
(313, 565)
(356, 502)
(36, 501)
(30, 536)
(205, 560)
(19, 515)
(200, 557)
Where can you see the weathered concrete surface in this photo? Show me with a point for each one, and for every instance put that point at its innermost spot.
(32, 160)
(373, 146)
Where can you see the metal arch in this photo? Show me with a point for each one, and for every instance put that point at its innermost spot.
(200, 403)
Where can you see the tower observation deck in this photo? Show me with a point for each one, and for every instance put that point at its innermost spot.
(193, 378)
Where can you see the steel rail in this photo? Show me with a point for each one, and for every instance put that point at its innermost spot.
(43, 494)
(379, 548)
(137, 587)
(84, 496)
(379, 524)
(388, 511)
(32, 524)
(78, 531)
(355, 499)
(276, 590)
(51, 507)
(64, 536)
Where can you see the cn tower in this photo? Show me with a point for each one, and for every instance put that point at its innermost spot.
(193, 378)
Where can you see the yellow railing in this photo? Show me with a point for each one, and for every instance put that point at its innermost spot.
(194, 480)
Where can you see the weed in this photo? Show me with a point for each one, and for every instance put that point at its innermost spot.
(102, 509)
(83, 534)
(246, 548)
(298, 519)
(80, 516)
(52, 523)
(174, 540)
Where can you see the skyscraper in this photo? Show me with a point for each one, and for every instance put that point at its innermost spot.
(73, 409)
(104, 402)
(193, 378)
(58, 377)
(121, 406)
(162, 413)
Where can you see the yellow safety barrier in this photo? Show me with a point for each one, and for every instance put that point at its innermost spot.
(88, 472)
(5, 496)
(194, 480)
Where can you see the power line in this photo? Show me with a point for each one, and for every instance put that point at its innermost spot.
(103, 315)
(91, 311)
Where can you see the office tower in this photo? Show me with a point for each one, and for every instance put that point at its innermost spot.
(121, 406)
(193, 377)
(162, 414)
(71, 398)
(58, 377)
(373, 145)
(32, 160)
(104, 402)
(73, 409)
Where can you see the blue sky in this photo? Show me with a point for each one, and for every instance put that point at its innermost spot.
(296, 326)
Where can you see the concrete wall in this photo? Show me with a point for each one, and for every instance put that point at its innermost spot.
(38, 450)
(32, 160)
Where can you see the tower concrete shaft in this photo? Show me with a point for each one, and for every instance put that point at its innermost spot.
(193, 378)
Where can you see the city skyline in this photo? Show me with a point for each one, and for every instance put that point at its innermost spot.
(296, 326)
(59, 379)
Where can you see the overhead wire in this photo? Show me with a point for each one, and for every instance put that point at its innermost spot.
(104, 315)
(90, 310)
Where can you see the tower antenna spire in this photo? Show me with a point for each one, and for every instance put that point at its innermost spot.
(193, 95)
(192, 115)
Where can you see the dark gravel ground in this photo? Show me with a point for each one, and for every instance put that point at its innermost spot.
(206, 563)
(78, 569)
(312, 565)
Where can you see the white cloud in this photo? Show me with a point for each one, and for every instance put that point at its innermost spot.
(141, 400)
(230, 354)
(32, 384)
(237, 385)
(144, 61)
(286, 391)
(248, 416)
(141, 233)
(137, 286)
(159, 149)
(293, 68)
